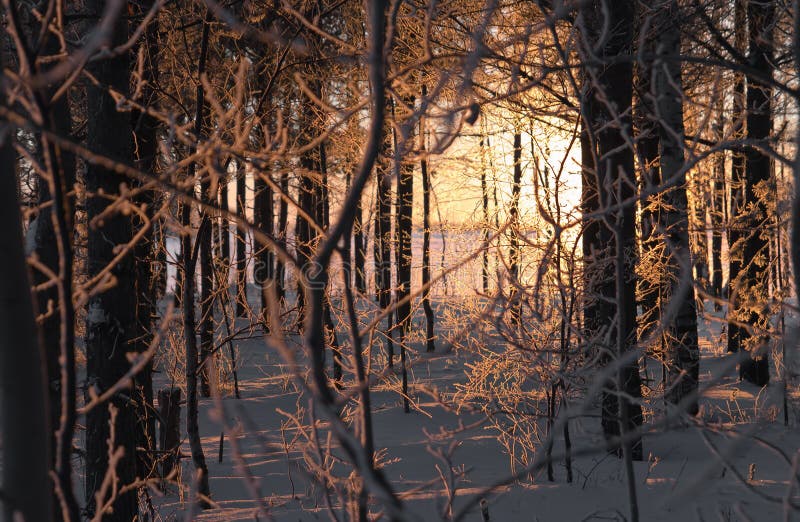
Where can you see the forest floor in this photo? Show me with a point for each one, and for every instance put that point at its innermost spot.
(734, 463)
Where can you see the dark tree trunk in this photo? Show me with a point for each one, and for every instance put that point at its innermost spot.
(264, 272)
(681, 344)
(383, 235)
(111, 315)
(304, 232)
(206, 292)
(752, 285)
(650, 282)
(24, 412)
(52, 232)
(190, 256)
(609, 243)
(735, 232)
(430, 337)
(404, 225)
(718, 208)
(322, 206)
(169, 411)
(145, 128)
(241, 243)
(485, 208)
(360, 251)
(514, 231)
(225, 231)
(283, 231)
(177, 291)
(190, 339)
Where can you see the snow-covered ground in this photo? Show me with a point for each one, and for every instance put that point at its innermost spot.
(736, 462)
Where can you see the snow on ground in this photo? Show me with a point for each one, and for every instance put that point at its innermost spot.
(738, 466)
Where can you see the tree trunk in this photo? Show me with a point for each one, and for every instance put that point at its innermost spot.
(190, 339)
(283, 231)
(360, 251)
(651, 255)
(735, 232)
(111, 315)
(682, 353)
(485, 208)
(322, 206)
(241, 243)
(169, 411)
(24, 412)
(404, 225)
(145, 128)
(609, 243)
(206, 291)
(225, 230)
(718, 207)
(383, 235)
(305, 233)
(514, 231)
(189, 265)
(752, 285)
(264, 272)
(430, 337)
(52, 233)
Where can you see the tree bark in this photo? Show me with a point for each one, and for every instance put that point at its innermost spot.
(750, 292)
(735, 233)
(430, 337)
(514, 231)
(609, 242)
(145, 128)
(111, 315)
(265, 217)
(681, 344)
(24, 409)
(383, 235)
(190, 255)
(359, 251)
(404, 225)
(718, 208)
(52, 232)
(241, 243)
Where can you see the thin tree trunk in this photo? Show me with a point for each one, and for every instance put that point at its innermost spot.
(737, 204)
(383, 235)
(322, 216)
(485, 207)
(145, 128)
(513, 252)
(717, 209)
(265, 268)
(360, 250)
(206, 293)
(192, 426)
(189, 265)
(283, 231)
(225, 228)
(430, 337)
(241, 243)
(305, 234)
(404, 225)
